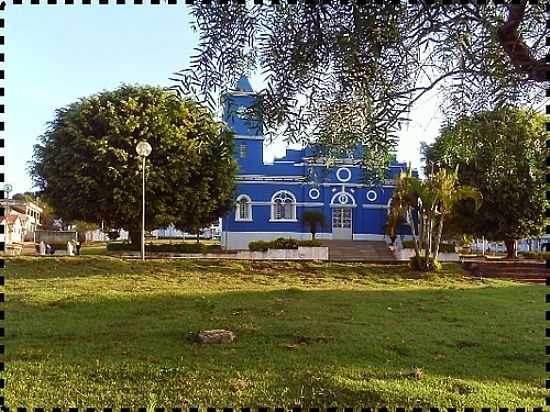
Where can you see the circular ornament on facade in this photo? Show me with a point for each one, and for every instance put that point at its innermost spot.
(314, 193)
(343, 199)
(371, 195)
(343, 174)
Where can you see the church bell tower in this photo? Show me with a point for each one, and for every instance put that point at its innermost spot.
(242, 114)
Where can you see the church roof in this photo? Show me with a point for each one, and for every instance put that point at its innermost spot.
(243, 85)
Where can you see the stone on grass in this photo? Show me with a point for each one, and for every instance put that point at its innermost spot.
(215, 336)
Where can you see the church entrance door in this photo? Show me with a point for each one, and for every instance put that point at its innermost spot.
(342, 223)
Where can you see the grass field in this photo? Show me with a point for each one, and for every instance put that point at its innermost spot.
(94, 331)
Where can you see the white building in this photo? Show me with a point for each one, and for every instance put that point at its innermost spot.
(13, 231)
(28, 212)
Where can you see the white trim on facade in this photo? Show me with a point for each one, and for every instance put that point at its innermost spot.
(370, 206)
(239, 93)
(298, 204)
(314, 196)
(242, 136)
(300, 181)
(283, 193)
(238, 208)
(342, 195)
(373, 198)
(367, 236)
(340, 178)
(283, 220)
(339, 205)
(269, 179)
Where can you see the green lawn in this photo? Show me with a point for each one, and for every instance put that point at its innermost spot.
(95, 331)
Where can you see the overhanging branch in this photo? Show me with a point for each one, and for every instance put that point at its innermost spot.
(514, 45)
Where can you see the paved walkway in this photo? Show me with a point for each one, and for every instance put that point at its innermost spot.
(358, 250)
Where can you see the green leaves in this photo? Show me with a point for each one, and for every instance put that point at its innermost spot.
(87, 165)
(343, 74)
(500, 153)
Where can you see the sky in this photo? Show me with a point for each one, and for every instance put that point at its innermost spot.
(56, 54)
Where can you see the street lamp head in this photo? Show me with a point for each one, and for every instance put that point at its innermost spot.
(143, 149)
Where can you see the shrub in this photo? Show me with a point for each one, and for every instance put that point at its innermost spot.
(280, 243)
(443, 247)
(284, 243)
(165, 247)
(258, 246)
(114, 247)
(309, 243)
(536, 255)
(419, 263)
(447, 248)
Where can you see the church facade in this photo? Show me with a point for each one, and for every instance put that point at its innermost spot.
(272, 197)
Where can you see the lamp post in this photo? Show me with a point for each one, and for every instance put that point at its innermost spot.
(143, 149)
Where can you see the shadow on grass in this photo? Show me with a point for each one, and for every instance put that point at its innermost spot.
(482, 334)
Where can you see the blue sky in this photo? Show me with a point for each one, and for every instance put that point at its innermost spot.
(56, 54)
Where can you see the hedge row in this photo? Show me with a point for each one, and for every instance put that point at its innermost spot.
(443, 247)
(280, 243)
(165, 247)
(536, 255)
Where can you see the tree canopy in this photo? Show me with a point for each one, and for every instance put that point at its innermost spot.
(501, 153)
(341, 73)
(87, 167)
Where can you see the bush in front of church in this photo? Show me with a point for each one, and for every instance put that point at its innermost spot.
(281, 243)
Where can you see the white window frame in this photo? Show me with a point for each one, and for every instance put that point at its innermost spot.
(292, 207)
(238, 205)
(243, 150)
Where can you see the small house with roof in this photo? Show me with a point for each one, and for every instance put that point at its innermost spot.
(272, 197)
(13, 229)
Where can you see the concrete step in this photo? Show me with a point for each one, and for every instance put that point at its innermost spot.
(351, 250)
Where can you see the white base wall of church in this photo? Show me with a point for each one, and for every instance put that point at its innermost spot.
(240, 240)
(367, 236)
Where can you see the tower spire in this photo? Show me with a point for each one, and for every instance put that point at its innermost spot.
(243, 85)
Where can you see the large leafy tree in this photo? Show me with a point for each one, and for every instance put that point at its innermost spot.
(87, 167)
(343, 73)
(501, 153)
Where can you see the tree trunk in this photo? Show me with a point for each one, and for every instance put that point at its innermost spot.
(438, 239)
(414, 235)
(421, 230)
(135, 238)
(427, 243)
(511, 248)
(198, 237)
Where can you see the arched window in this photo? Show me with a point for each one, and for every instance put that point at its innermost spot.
(243, 209)
(283, 206)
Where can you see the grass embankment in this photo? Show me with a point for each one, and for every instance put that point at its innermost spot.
(99, 331)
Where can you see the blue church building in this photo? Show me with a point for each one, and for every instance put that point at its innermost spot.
(272, 197)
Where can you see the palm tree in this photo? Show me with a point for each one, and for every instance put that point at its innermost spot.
(449, 193)
(405, 202)
(428, 201)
